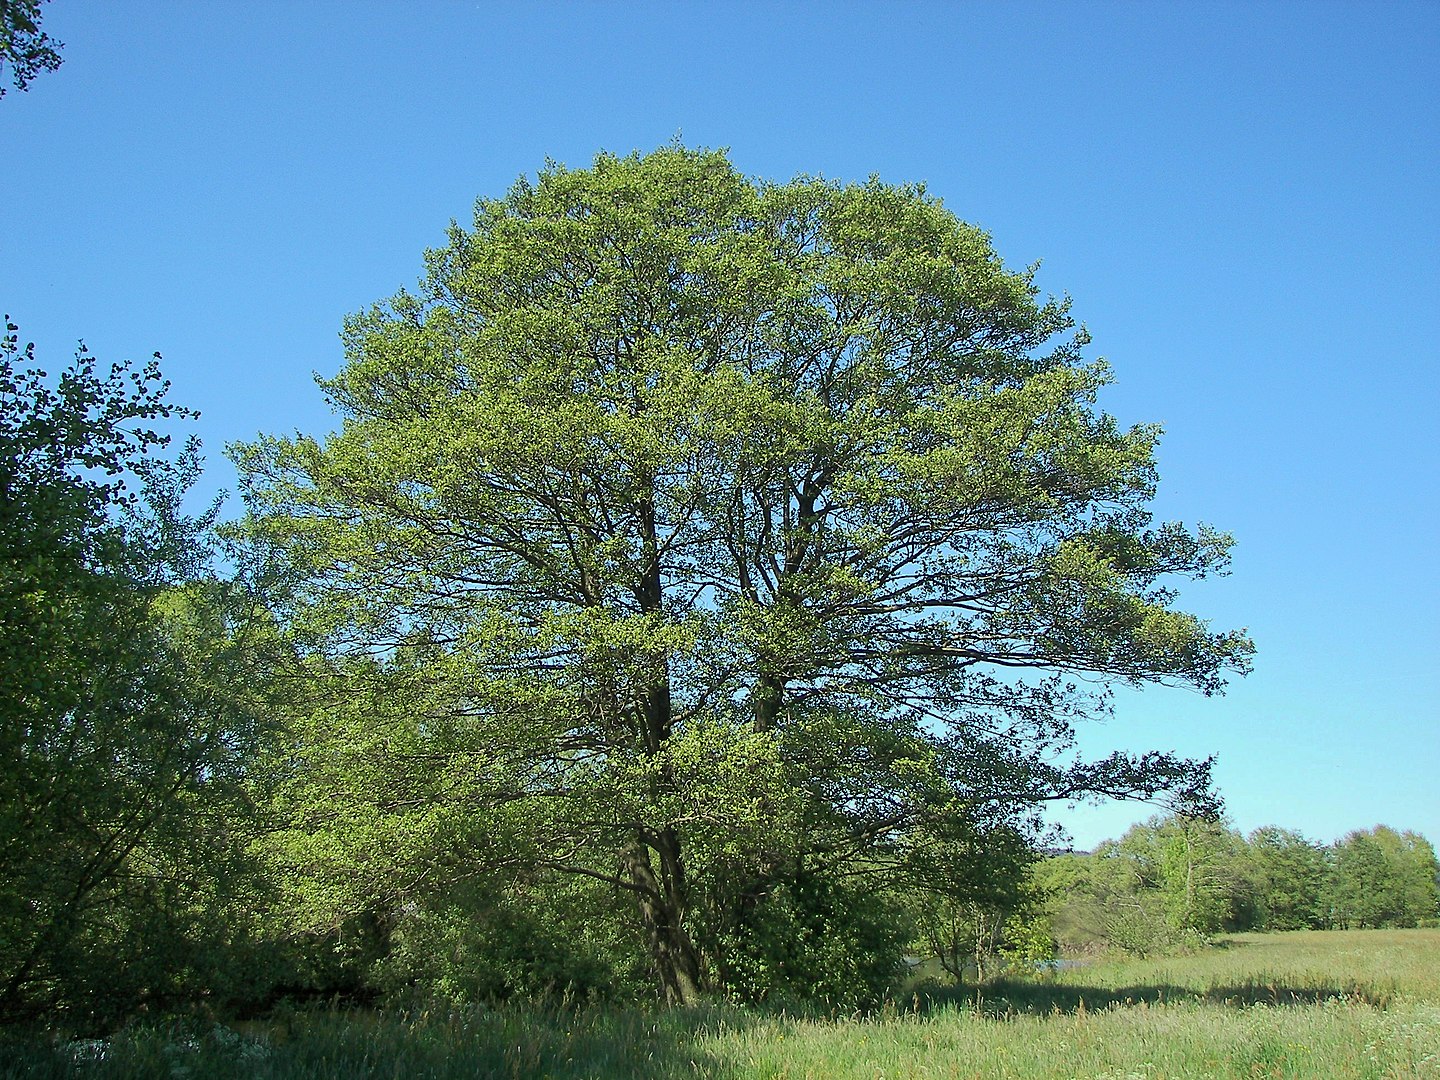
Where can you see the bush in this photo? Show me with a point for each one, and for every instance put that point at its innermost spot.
(813, 940)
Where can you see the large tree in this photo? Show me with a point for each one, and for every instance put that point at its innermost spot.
(712, 538)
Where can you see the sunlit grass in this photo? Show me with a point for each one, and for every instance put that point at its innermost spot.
(1155, 1042)
(1340, 1006)
(1376, 961)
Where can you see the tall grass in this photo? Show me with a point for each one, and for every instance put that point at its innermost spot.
(1363, 1005)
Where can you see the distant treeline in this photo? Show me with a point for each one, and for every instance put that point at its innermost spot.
(1175, 880)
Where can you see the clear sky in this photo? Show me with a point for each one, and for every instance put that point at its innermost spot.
(1242, 199)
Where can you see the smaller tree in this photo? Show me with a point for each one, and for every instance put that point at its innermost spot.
(120, 727)
(1167, 883)
(1290, 874)
(1195, 867)
(978, 905)
(1075, 899)
(1383, 878)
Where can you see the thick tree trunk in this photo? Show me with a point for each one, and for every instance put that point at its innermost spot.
(661, 890)
(677, 961)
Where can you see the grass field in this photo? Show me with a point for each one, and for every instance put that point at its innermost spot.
(1336, 1005)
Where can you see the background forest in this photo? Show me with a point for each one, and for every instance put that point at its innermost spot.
(698, 599)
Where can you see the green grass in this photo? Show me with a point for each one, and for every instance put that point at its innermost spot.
(1339, 1005)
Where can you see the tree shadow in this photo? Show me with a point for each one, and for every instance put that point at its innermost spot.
(1038, 998)
(1223, 943)
(472, 1043)
(645, 1043)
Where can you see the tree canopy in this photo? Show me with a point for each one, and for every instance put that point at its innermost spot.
(742, 546)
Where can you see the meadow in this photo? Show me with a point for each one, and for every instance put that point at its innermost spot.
(1328, 1004)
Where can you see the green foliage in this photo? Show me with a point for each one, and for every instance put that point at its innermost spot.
(24, 47)
(977, 908)
(1383, 878)
(1197, 866)
(811, 938)
(1028, 944)
(1173, 882)
(1073, 900)
(1167, 884)
(551, 942)
(122, 743)
(1290, 879)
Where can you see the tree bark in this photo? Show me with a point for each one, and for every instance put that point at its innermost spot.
(677, 961)
(662, 895)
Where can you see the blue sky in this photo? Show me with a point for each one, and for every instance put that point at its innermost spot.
(1243, 201)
